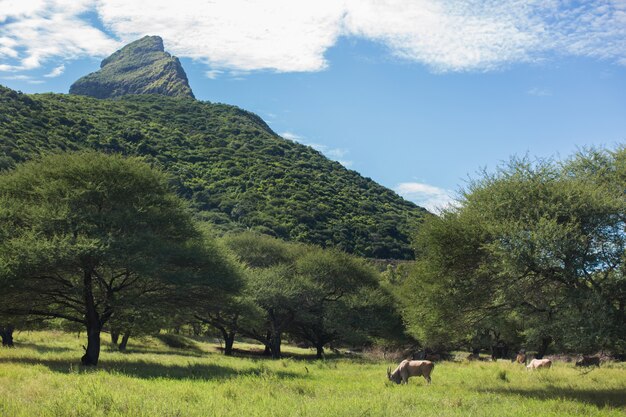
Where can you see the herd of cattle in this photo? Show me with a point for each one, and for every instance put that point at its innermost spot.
(408, 368)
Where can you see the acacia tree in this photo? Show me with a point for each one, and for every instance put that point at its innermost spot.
(538, 242)
(280, 293)
(332, 280)
(84, 235)
(271, 295)
(312, 294)
(231, 316)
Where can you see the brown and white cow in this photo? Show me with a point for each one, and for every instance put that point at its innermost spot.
(539, 363)
(408, 368)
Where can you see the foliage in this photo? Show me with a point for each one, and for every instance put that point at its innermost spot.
(261, 251)
(84, 237)
(312, 294)
(236, 173)
(340, 294)
(536, 249)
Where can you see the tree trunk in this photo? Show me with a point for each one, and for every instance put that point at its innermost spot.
(229, 340)
(124, 342)
(115, 336)
(545, 343)
(92, 351)
(320, 351)
(6, 333)
(268, 348)
(92, 322)
(275, 345)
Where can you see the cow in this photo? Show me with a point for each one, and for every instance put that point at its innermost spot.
(520, 358)
(589, 361)
(408, 368)
(539, 363)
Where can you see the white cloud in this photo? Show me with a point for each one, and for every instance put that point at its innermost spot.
(281, 35)
(335, 154)
(55, 72)
(21, 77)
(539, 92)
(34, 31)
(432, 198)
(287, 35)
(291, 136)
(213, 74)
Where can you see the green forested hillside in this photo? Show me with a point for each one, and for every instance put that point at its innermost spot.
(227, 162)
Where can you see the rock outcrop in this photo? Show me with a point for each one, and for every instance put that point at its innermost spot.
(141, 67)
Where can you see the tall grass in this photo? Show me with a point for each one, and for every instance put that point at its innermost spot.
(40, 377)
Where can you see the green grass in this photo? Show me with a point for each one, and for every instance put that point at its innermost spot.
(40, 377)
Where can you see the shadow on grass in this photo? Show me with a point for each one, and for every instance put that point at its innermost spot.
(42, 349)
(159, 351)
(151, 370)
(258, 353)
(600, 397)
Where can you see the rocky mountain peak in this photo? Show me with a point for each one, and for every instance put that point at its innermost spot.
(141, 67)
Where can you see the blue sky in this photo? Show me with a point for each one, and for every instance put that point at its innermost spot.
(416, 95)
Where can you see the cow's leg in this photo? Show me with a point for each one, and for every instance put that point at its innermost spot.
(427, 378)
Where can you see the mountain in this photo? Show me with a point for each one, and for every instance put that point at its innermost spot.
(141, 67)
(233, 169)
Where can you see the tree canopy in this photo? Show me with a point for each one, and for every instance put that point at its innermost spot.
(315, 295)
(536, 249)
(86, 236)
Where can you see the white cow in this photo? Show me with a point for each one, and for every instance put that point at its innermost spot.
(539, 363)
(408, 368)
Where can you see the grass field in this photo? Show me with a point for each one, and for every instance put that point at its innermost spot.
(40, 377)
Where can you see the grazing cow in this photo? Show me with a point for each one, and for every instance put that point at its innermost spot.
(589, 361)
(408, 368)
(539, 363)
(520, 358)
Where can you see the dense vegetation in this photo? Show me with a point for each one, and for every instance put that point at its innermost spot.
(89, 238)
(141, 67)
(532, 257)
(318, 297)
(234, 170)
(100, 241)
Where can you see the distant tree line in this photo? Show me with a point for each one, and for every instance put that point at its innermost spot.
(101, 241)
(531, 256)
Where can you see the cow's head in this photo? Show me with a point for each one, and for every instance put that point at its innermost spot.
(394, 377)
